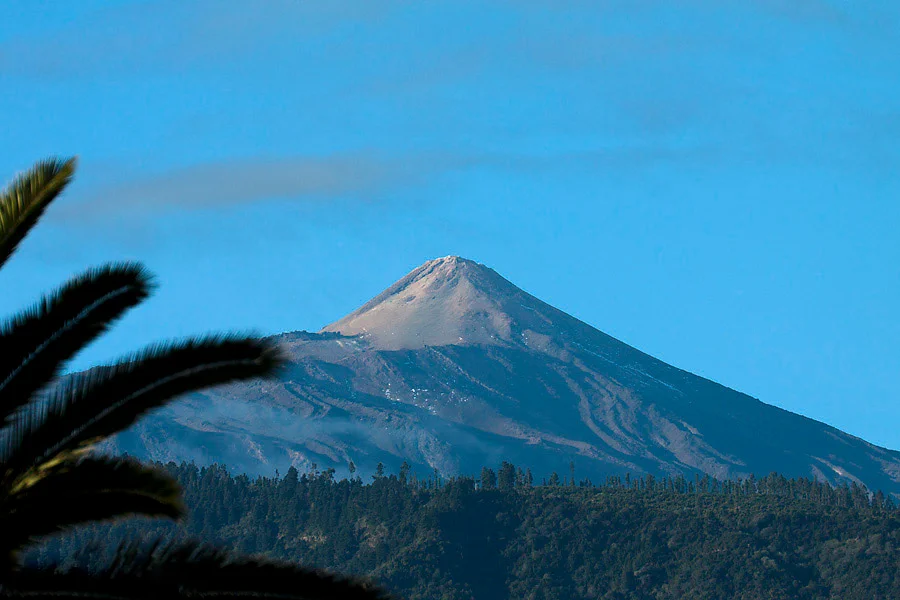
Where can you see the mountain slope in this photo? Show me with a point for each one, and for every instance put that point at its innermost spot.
(453, 367)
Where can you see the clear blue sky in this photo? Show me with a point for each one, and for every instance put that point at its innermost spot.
(715, 182)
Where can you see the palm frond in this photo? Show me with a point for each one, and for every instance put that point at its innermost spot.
(99, 403)
(191, 571)
(24, 200)
(36, 344)
(76, 489)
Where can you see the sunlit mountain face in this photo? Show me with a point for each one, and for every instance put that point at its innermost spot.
(453, 367)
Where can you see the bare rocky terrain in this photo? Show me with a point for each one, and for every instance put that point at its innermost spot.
(453, 368)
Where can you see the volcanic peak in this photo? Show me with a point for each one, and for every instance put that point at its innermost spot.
(445, 301)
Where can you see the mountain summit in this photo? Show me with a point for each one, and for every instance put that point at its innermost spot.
(453, 367)
(454, 301)
(447, 301)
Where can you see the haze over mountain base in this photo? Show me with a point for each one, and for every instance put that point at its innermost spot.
(453, 367)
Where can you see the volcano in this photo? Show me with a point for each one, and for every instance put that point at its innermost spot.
(453, 368)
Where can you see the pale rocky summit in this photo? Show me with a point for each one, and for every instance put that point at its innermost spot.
(447, 301)
(453, 367)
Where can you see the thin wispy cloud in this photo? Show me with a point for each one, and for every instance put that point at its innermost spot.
(244, 181)
(800, 10)
(363, 176)
(172, 36)
(666, 81)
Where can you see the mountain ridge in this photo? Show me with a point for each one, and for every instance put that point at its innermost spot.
(452, 367)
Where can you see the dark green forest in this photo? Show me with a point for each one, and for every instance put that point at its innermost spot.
(503, 535)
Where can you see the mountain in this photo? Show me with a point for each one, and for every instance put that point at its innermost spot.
(453, 367)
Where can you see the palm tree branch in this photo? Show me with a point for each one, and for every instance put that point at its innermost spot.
(24, 200)
(190, 570)
(37, 343)
(77, 490)
(101, 402)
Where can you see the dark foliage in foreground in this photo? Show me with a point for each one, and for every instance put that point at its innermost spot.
(50, 478)
(501, 537)
(185, 570)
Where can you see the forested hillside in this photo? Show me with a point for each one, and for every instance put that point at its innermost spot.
(504, 536)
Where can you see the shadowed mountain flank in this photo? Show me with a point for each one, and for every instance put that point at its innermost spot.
(454, 367)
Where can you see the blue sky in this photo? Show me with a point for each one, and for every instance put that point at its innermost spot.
(715, 182)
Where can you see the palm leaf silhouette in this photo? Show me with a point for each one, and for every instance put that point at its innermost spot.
(190, 570)
(23, 202)
(35, 344)
(93, 489)
(90, 406)
(50, 480)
